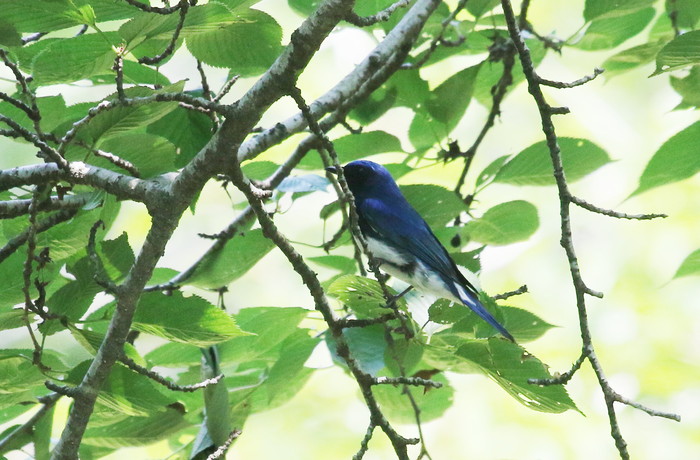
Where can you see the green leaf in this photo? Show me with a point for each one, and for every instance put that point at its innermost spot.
(362, 295)
(688, 87)
(117, 256)
(450, 99)
(75, 58)
(138, 431)
(8, 34)
(345, 265)
(677, 159)
(354, 146)
(11, 319)
(682, 51)
(631, 58)
(443, 109)
(533, 166)
(259, 170)
(690, 266)
(50, 15)
(524, 325)
(610, 32)
(152, 155)
(367, 345)
(511, 366)
(190, 320)
(303, 183)
(73, 299)
(437, 205)
(432, 403)
(216, 404)
(478, 7)
(230, 46)
(505, 223)
(601, 9)
(125, 391)
(233, 261)
(18, 374)
(42, 435)
(187, 129)
(123, 120)
(288, 374)
(687, 12)
(271, 326)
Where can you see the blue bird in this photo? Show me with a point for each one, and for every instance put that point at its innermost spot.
(402, 242)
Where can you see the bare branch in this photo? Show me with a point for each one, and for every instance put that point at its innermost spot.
(573, 84)
(48, 152)
(415, 381)
(521, 290)
(364, 445)
(156, 377)
(41, 226)
(565, 200)
(562, 379)
(120, 185)
(607, 212)
(381, 16)
(27, 428)
(226, 88)
(220, 452)
(183, 7)
(14, 208)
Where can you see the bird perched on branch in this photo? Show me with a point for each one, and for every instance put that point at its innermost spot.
(401, 241)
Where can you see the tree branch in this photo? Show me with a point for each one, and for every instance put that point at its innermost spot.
(565, 200)
(124, 187)
(156, 377)
(15, 208)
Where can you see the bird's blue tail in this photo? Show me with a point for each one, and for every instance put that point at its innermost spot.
(479, 309)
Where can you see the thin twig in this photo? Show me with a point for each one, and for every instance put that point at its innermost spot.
(27, 428)
(226, 88)
(381, 16)
(349, 322)
(562, 379)
(156, 377)
(364, 444)
(573, 84)
(521, 290)
(48, 152)
(415, 381)
(15, 208)
(607, 212)
(54, 219)
(183, 7)
(565, 200)
(118, 68)
(99, 273)
(221, 450)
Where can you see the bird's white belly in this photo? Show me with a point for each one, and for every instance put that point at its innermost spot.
(421, 278)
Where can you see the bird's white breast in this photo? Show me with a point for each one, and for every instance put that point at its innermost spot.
(420, 277)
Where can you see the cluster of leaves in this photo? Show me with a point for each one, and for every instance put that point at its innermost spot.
(262, 351)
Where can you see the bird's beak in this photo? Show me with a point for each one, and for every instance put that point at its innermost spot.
(332, 169)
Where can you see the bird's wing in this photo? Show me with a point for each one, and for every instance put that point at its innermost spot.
(404, 229)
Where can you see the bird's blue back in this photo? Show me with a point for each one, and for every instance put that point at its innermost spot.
(386, 216)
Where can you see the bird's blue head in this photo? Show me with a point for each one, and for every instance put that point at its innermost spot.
(367, 178)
